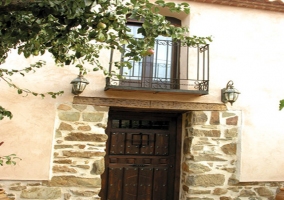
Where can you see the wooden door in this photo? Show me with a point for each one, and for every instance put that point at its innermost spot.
(141, 157)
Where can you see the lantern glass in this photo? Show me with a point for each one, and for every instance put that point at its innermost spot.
(79, 87)
(79, 84)
(229, 94)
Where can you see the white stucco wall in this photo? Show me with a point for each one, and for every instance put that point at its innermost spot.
(246, 48)
(30, 132)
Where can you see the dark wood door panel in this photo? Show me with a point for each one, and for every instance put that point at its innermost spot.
(115, 180)
(142, 143)
(141, 157)
(117, 143)
(145, 183)
(161, 184)
(139, 183)
(130, 183)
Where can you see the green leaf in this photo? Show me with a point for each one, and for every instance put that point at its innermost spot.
(160, 3)
(186, 10)
(88, 2)
(133, 1)
(170, 5)
(7, 2)
(281, 105)
(142, 31)
(51, 4)
(156, 10)
(185, 4)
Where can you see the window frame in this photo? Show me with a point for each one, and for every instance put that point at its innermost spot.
(146, 78)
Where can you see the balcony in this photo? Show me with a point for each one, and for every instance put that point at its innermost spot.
(173, 68)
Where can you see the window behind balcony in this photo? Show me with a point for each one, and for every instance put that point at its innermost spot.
(174, 67)
(159, 70)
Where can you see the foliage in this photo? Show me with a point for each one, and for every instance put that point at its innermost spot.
(5, 113)
(75, 31)
(281, 104)
(8, 160)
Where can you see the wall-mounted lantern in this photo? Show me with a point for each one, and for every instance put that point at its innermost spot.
(229, 94)
(79, 84)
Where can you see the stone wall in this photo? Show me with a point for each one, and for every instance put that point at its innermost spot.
(209, 159)
(78, 161)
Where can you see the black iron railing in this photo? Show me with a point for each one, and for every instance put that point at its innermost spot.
(173, 67)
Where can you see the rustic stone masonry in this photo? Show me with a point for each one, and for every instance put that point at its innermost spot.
(209, 158)
(208, 169)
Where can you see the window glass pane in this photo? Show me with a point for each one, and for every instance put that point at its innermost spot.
(156, 68)
(125, 123)
(162, 125)
(135, 72)
(115, 123)
(121, 123)
(135, 124)
(145, 124)
(134, 31)
(162, 57)
(140, 124)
